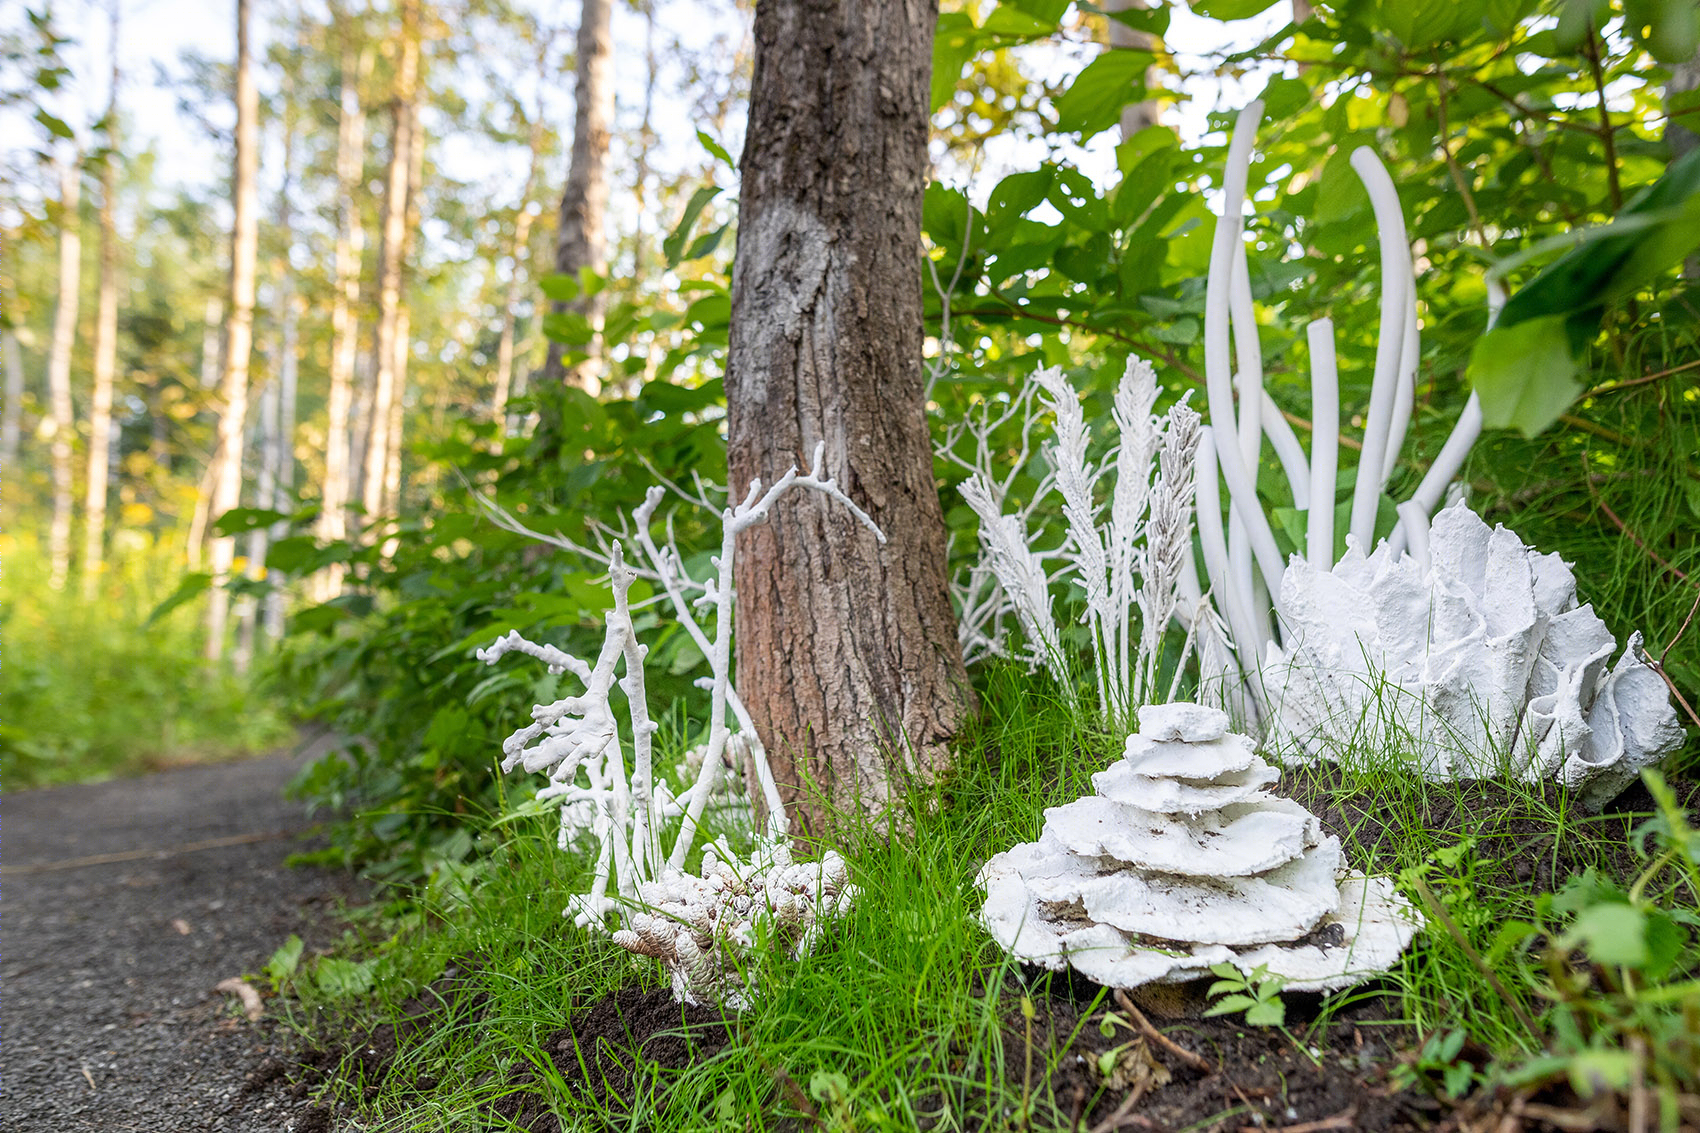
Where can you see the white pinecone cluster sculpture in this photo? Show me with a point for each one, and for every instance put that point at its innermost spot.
(1183, 859)
(704, 929)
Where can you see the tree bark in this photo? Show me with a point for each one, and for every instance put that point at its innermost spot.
(332, 523)
(1136, 116)
(12, 414)
(580, 241)
(516, 281)
(59, 366)
(384, 393)
(105, 348)
(239, 334)
(847, 650)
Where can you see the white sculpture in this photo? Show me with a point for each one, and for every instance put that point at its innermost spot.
(1470, 643)
(578, 742)
(1471, 653)
(1125, 552)
(1182, 860)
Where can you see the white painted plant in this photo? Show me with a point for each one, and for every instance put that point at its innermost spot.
(1183, 859)
(1125, 547)
(704, 928)
(1465, 640)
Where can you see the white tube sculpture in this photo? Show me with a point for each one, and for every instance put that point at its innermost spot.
(1458, 644)
(704, 928)
(1183, 859)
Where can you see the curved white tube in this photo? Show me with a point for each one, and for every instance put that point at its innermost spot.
(1209, 509)
(1242, 489)
(1324, 444)
(1413, 521)
(1458, 443)
(1395, 283)
(1288, 451)
(1405, 396)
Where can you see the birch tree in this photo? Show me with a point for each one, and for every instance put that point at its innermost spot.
(393, 235)
(847, 650)
(105, 346)
(517, 246)
(332, 523)
(239, 334)
(59, 365)
(580, 239)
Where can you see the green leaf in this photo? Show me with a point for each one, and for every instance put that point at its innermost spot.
(292, 554)
(240, 519)
(1231, 9)
(673, 246)
(1229, 1004)
(343, 979)
(1267, 1013)
(955, 40)
(284, 961)
(560, 288)
(193, 585)
(716, 149)
(1525, 374)
(1609, 933)
(1093, 102)
(54, 126)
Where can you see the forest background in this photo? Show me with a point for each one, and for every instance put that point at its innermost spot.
(410, 158)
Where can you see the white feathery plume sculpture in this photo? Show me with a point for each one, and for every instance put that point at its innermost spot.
(1464, 640)
(1127, 564)
(703, 928)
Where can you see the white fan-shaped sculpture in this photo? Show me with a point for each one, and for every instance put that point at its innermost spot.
(1182, 860)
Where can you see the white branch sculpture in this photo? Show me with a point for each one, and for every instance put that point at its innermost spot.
(703, 927)
(1464, 641)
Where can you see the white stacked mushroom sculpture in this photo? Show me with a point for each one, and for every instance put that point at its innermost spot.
(1183, 859)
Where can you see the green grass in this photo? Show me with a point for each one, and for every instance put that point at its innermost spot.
(907, 1012)
(88, 690)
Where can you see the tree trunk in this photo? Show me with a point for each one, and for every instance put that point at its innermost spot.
(1136, 116)
(239, 335)
(579, 240)
(59, 366)
(516, 282)
(847, 650)
(332, 524)
(12, 414)
(391, 253)
(404, 328)
(105, 348)
(212, 338)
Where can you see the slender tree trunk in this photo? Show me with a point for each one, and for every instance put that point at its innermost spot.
(1136, 116)
(580, 241)
(391, 253)
(59, 366)
(332, 524)
(516, 282)
(12, 415)
(847, 650)
(105, 347)
(265, 496)
(283, 453)
(404, 328)
(239, 334)
(212, 339)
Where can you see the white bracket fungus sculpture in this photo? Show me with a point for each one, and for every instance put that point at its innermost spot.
(1473, 641)
(703, 928)
(1182, 860)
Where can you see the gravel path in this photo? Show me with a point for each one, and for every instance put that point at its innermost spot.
(124, 904)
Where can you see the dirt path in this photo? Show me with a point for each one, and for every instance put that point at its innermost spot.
(124, 903)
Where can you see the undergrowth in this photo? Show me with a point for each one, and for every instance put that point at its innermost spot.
(91, 689)
(909, 1015)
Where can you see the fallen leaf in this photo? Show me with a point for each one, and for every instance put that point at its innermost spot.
(181, 925)
(243, 990)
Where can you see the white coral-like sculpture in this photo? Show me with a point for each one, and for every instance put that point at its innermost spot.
(1183, 859)
(1473, 653)
(706, 930)
(1124, 548)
